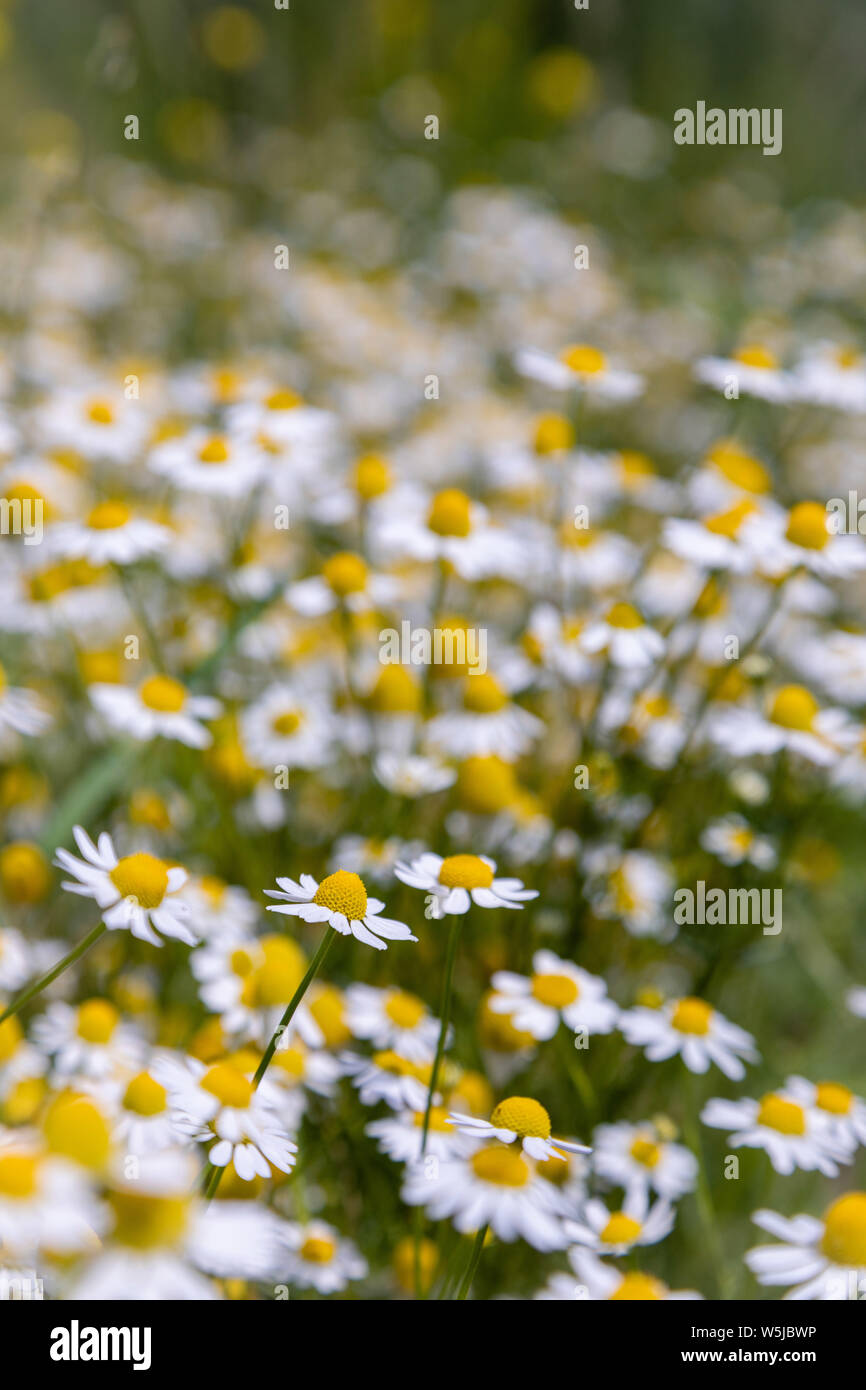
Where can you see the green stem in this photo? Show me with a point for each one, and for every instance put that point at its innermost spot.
(75, 954)
(444, 1020)
(466, 1285)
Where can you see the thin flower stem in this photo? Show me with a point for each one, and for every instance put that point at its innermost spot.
(444, 1020)
(466, 1285)
(75, 954)
(212, 1174)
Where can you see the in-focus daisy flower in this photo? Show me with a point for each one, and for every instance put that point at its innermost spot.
(400, 1082)
(392, 1018)
(755, 371)
(454, 883)
(318, 1257)
(624, 637)
(818, 1259)
(519, 1117)
(110, 535)
(556, 990)
(639, 1156)
(596, 1281)
(160, 707)
(138, 893)
(580, 367)
(399, 1136)
(733, 841)
(617, 1232)
(21, 710)
(87, 1040)
(793, 1134)
(695, 1031)
(218, 1107)
(496, 1187)
(341, 901)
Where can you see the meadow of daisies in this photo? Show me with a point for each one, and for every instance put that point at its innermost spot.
(403, 611)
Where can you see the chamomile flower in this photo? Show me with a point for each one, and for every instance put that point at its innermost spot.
(733, 841)
(143, 1121)
(215, 465)
(803, 539)
(454, 883)
(21, 710)
(818, 1259)
(753, 369)
(639, 1156)
(160, 707)
(793, 720)
(95, 421)
(580, 367)
(400, 1082)
(601, 1282)
(138, 893)
(488, 724)
(495, 1186)
(15, 960)
(392, 1018)
(87, 1040)
(413, 774)
(624, 637)
(217, 909)
(46, 1203)
(297, 1072)
(692, 1029)
(556, 991)
(519, 1117)
(835, 376)
(318, 1257)
(341, 901)
(632, 886)
(219, 1107)
(371, 858)
(793, 1133)
(399, 1136)
(635, 1223)
(287, 727)
(110, 535)
(249, 980)
(845, 1112)
(449, 527)
(345, 579)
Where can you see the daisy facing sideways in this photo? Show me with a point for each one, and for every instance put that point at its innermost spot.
(138, 893)
(823, 1260)
(617, 1232)
(453, 884)
(159, 707)
(341, 901)
(497, 1187)
(519, 1117)
(793, 1134)
(556, 990)
(110, 535)
(694, 1030)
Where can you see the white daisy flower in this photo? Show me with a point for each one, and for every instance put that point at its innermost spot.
(138, 893)
(495, 1186)
(715, 542)
(793, 721)
(160, 707)
(754, 369)
(97, 422)
(110, 535)
(392, 1018)
(371, 858)
(793, 1134)
(448, 527)
(519, 1117)
(556, 990)
(631, 886)
(87, 1040)
(412, 775)
(296, 1072)
(617, 1232)
(318, 1257)
(341, 901)
(803, 538)
(624, 637)
(845, 1113)
(489, 724)
(219, 1107)
(286, 727)
(835, 376)
(855, 1001)
(728, 474)
(16, 965)
(823, 1260)
(695, 1031)
(580, 367)
(454, 883)
(638, 1156)
(345, 579)
(249, 980)
(733, 841)
(213, 464)
(21, 710)
(597, 1282)
(217, 909)
(46, 1203)
(142, 1120)
(399, 1136)
(401, 1083)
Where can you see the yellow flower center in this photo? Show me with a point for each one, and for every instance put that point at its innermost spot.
(214, 451)
(327, 1009)
(97, 1020)
(144, 1222)
(624, 615)
(692, 1016)
(75, 1128)
(396, 691)
(621, 1229)
(343, 892)
(241, 963)
(482, 694)
(465, 871)
(24, 872)
(318, 1250)
(586, 361)
(371, 477)
(807, 526)
(438, 1120)
(524, 1115)
(100, 413)
(229, 1085)
(486, 785)
(837, 1100)
(391, 1062)
(645, 1152)
(450, 513)
(287, 723)
(728, 523)
(18, 1175)
(345, 573)
(637, 1287)
(794, 707)
(162, 693)
(404, 1009)
(10, 1037)
(144, 1096)
(275, 980)
(557, 991)
(844, 1238)
(783, 1115)
(740, 468)
(501, 1166)
(283, 400)
(754, 355)
(108, 516)
(143, 877)
(291, 1061)
(553, 433)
